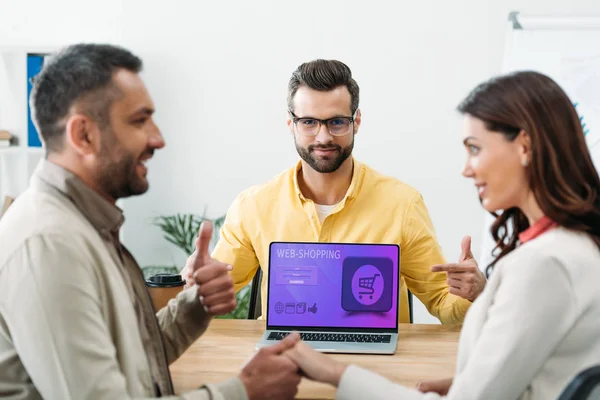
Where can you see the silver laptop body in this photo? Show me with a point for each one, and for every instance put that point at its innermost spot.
(340, 297)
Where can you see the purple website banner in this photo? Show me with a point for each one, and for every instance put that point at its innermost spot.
(333, 285)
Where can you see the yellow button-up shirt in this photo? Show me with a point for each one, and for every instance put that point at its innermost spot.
(375, 209)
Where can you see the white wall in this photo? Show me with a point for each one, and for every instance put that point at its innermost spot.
(59, 22)
(218, 73)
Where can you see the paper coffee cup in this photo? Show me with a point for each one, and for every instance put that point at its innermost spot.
(164, 287)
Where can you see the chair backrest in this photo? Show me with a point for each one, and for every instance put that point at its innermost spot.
(585, 385)
(410, 306)
(255, 303)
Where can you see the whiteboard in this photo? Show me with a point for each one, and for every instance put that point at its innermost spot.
(568, 51)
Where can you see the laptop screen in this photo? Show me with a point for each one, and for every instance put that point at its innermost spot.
(333, 285)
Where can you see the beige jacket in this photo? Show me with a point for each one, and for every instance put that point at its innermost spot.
(76, 321)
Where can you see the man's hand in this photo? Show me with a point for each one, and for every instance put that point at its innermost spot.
(315, 365)
(270, 374)
(215, 286)
(465, 279)
(439, 386)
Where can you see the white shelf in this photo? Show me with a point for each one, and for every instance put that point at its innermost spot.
(17, 162)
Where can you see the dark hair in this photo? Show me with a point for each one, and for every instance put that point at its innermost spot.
(561, 173)
(323, 75)
(79, 73)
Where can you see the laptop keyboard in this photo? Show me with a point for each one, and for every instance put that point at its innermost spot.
(334, 337)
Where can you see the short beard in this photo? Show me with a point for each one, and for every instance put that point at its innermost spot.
(119, 179)
(325, 165)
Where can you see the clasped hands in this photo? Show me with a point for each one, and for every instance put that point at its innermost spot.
(283, 364)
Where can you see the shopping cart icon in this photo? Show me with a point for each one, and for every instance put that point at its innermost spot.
(367, 284)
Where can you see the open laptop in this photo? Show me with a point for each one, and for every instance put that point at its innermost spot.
(341, 297)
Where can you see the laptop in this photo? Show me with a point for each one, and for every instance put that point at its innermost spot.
(340, 297)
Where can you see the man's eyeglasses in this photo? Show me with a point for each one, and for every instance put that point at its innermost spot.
(337, 126)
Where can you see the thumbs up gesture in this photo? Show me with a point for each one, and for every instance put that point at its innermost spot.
(464, 278)
(215, 286)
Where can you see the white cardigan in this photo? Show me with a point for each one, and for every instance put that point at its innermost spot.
(534, 327)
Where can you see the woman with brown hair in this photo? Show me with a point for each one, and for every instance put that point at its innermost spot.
(537, 323)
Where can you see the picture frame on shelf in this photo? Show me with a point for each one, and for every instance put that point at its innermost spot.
(6, 139)
(35, 63)
(8, 200)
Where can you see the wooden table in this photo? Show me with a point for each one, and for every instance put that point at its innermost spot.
(424, 352)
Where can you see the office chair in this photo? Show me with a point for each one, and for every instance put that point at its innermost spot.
(584, 386)
(255, 304)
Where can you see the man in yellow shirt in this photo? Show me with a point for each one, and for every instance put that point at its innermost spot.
(331, 197)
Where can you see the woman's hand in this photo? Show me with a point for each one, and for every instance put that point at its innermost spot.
(439, 386)
(316, 366)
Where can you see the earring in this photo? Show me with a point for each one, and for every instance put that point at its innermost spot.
(525, 162)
